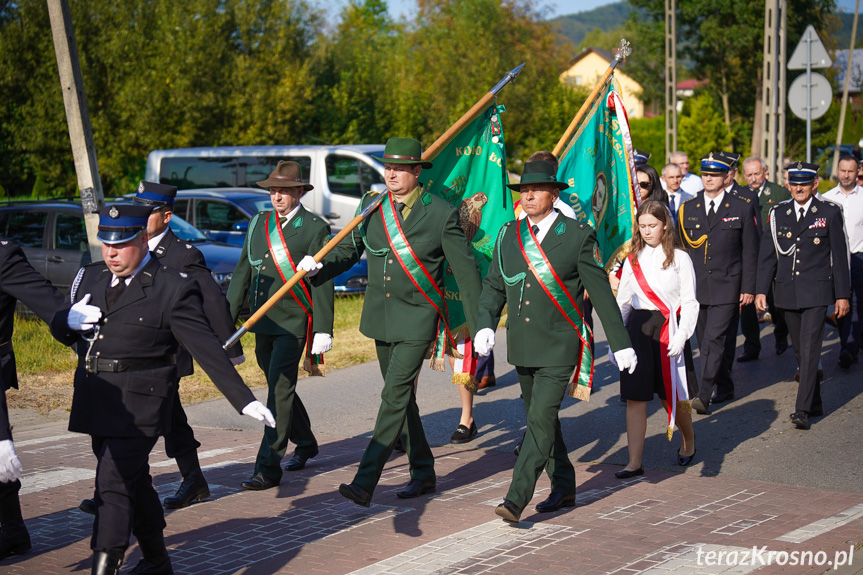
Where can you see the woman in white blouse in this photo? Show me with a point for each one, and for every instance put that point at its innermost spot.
(657, 301)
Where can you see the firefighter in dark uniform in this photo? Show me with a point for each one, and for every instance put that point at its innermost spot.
(180, 442)
(18, 281)
(719, 232)
(128, 315)
(804, 250)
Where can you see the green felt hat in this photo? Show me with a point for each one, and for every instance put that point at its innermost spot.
(404, 151)
(538, 172)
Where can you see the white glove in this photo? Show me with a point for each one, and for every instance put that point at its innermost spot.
(257, 410)
(235, 361)
(676, 345)
(309, 265)
(625, 359)
(611, 357)
(83, 317)
(483, 341)
(10, 466)
(322, 343)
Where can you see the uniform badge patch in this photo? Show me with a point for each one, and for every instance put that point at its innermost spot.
(788, 213)
(560, 228)
(816, 241)
(597, 257)
(184, 275)
(114, 212)
(140, 187)
(298, 222)
(188, 246)
(788, 235)
(814, 209)
(766, 192)
(426, 199)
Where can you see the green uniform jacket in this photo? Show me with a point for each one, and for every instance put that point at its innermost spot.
(771, 195)
(306, 233)
(538, 334)
(394, 309)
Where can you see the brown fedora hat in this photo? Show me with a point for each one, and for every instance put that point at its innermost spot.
(286, 175)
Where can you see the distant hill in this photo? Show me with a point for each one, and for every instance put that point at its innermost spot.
(575, 26)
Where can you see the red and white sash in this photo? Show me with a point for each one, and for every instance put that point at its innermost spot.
(673, 368)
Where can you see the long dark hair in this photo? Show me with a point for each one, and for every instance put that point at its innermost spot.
(656, 194)
(669, 237)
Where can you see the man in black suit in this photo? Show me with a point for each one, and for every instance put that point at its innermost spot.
(18, 281)
(719, 233)
(127, 341)
(806, 253)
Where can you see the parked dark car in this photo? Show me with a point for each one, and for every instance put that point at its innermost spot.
(224, 214)
(53, 237)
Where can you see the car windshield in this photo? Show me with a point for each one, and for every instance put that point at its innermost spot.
(186, 231)
(254, 205)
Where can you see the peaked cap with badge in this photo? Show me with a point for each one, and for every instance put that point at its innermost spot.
(287, 174)
(640, 157)
(538, 172)
(155, 195)
(716, 163)
(802, 173)
(120, 223)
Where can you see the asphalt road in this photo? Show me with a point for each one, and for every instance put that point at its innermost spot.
(750, 437)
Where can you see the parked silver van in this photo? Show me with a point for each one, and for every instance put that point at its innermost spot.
(340, 174)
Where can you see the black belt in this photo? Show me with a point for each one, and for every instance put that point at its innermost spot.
(97, 364)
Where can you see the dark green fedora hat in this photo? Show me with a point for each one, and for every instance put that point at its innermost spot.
(538, 172)
(404, 151)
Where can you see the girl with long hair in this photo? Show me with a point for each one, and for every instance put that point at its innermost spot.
(657, 301)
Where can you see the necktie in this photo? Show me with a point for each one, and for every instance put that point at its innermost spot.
(113, 293)
(711, 213)
(399, 207)
(671, 203)
(282, 221)
(800, 217)
(535, 229)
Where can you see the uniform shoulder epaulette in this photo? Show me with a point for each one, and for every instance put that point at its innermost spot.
(509, 223)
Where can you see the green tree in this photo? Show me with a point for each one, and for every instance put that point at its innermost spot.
(701, 129)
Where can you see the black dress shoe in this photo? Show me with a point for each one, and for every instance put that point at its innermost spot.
(846, 359)
(747, 356)
(297, 462)
(463, 434)
(626, 474)
(258, 483)
(508, 511)
(699, 406)
(155, 557)
(145, 567)
(356, 494)
(684, 460)
(800, 419)
(194, 488)
(14, 539)
(88, 506)
(417, 487)
(721, 397)
(781, 347)
(556, 501)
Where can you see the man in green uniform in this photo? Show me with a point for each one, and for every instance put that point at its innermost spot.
(410, 239)
(541, 267)
(299, 325)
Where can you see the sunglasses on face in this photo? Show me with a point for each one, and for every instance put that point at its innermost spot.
(644, 185)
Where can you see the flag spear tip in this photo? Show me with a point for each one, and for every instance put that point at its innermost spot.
(509, 77)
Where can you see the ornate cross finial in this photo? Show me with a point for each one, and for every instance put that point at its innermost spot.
(623, 50)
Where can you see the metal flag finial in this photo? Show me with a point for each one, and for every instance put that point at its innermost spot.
(623, 50)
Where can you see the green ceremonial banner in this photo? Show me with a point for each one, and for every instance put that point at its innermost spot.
(470, 173)
(597, 164)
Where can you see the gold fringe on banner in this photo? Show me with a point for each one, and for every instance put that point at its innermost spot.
(669, 432)
(466, 380)
(684, 407)
(581, 392)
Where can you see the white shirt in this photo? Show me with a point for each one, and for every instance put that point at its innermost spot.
(679, 196)
(676, 282)
(717, 201)
(691, 184)
(290, 215)
(558, 205)
(154, 241)
(543, 225)
(805, 207)
(115, 280)
(852, 212)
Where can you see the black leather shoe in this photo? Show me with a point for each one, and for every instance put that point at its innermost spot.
(463, 434)
(747, 356)
(508, 512)
(194, 488)
(356, 494)
(626, 474)
(156, 560)
(800, 419)
(699, 406)
(258, 483)
(721, 397)
(297, 462)
(107, 562)
(145, 567)
(417, 487)
(846, 359)
(556, 501)
(781, 347)
(88, 506)
(684, 460)
(14, 539)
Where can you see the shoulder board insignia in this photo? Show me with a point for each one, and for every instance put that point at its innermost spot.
(160, 251)
(597, 257)
(314, 219)
(560, 228)
(581, 225)
(426, 199)
(184, 275)
(188, 246)
(508, 224)
(4, 242)
(298, 222)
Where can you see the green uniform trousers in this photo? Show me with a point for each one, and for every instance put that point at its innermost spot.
(279, 357)
(543, 389)
(400, 364)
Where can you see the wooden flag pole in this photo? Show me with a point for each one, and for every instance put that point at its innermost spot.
(428, 155)
(620, 54)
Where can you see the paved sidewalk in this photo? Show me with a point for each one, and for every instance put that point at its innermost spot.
(661, 523)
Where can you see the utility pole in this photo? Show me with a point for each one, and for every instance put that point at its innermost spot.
(773, 88)
(835, 169)
(78, 119)
(670, 79)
